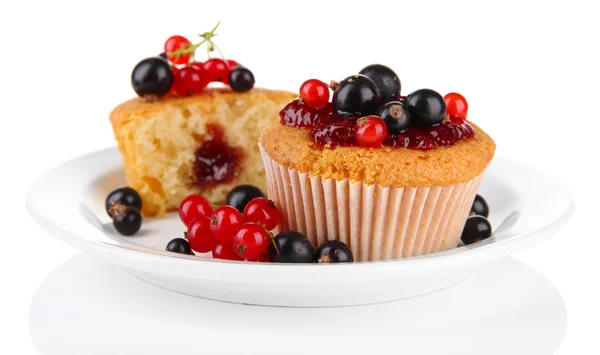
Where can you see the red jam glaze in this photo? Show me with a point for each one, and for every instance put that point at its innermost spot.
(216, 161)
(329, 128)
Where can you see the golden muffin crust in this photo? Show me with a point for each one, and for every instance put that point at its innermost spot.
(158, 141)
(387, 166)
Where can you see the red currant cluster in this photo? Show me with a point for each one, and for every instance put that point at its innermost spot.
(225, 231)
(177, 72)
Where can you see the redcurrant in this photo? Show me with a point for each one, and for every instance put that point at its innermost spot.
(194, 206)
(261, 210)
(251, 241)
(231, 64)
(225, 251)
(173, 90)
(315, 93)
(225, 222)
(190, 80)
(174, 43)
(200, 236)
(456, 105)
(216, 69)
(370, 131)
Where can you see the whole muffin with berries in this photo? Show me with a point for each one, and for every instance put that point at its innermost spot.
(392, 176)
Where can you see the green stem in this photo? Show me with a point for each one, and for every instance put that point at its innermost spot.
(191, 49)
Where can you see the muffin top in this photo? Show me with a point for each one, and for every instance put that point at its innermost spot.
(386, 166)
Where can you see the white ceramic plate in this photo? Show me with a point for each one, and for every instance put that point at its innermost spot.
(68, 202)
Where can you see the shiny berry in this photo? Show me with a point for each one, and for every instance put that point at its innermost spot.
(357, 94)
(179, 245)
(386, 80)
(216, 69)
(127, 220)
(334, 251)
(370, 131)
(315, 93)
(231, 64)
(261, 210)
(174, 43)
(426, 107)
(240, 195)
(225, 222)
(241, 79)
(456, 105)
(152, 78)
(480, 207)
(200, 236)
(190, 80)
(251, 241)
(477, 228)
(194, 206)
(224, 251)
(124, 196)
(292, 247)
(394, 115)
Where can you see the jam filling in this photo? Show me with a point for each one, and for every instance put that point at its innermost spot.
(329, 128)
(216, 161)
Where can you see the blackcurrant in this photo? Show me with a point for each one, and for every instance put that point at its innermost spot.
(180, 245)
(152, 78)
(127, 220)
(426, 107)
(334, 251)
(477, 228)
(240, 195)
(241, 79)
(396, 118)
(386, 80)
(292, 247)
(480, 207)
(357, 94)
(125, 196)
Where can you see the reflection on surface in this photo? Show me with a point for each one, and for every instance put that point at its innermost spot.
(86, 307)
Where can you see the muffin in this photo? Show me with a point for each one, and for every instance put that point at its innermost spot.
(391, 176)
(205, 143)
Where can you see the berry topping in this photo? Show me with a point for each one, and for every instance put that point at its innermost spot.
(241, 195)
(299, 114)
(224, 251)
(386, 80)
(127, 220)
(179, 245)
(428, 138)
(152, 78)
(194, 206)
(315, 93)
(200, 236)
(261, 210)
(241, 79)
(395, 117)
(477, 228)
(334, 251)
(291, 247)
(480, 207)
(251, 241)
(339, 133)
(456, 105)
(190, 80)
(225, 222)
(216, 69)
(370, 131)
(357, 94)
(175, 43)
(125, 196)
(426, 107)
(216, 161)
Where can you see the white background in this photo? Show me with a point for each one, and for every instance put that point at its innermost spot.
(529, 70)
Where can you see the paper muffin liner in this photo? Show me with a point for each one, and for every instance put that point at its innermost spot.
(376, 222)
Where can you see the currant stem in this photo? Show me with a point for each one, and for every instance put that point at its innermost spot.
(272, 238)
(191, 49)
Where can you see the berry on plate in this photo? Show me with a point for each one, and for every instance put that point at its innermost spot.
(124, 196)
(251, 241)
(194, 206)
(225, 222)
(224, 251)
(179, 245)
(291, 247)
(480, 207)
(200, 236)
(240, 195)
(261, 210)
(127, 220)
(370, 131)
(477, 228)
(334, 251)
(315, 93)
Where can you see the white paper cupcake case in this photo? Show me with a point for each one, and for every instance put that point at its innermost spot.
(376, 222)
